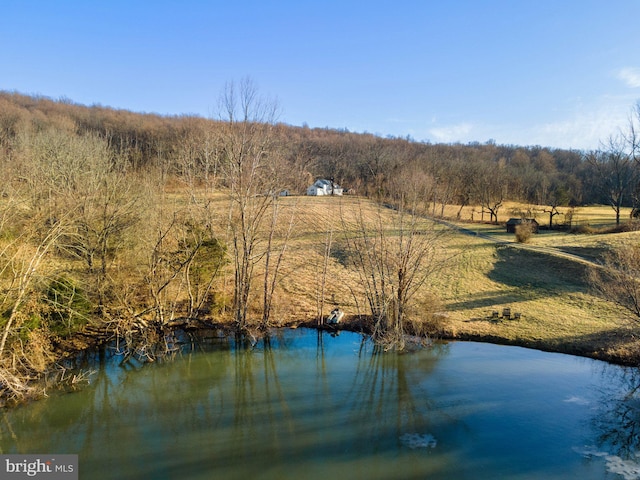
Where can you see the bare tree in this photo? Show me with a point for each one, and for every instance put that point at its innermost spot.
(553, 198)
(167, 270)
(22, 260)
(619, 278)
(395, 254)
(632, 139)
(247, 149)
(70, 173)
(197, 157)
(321, 279)
(465, 174)
(632, 136)
(616, 176)
(276, 247)
(491, 188)
(29, 234)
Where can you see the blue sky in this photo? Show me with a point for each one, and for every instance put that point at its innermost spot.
(545, 72)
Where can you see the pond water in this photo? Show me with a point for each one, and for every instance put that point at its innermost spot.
(309, 405)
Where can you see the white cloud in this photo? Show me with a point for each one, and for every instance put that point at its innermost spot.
(580, 124)
(581, 127)
(577, 400)
(451, 133)
(587, 126)
(630, 76)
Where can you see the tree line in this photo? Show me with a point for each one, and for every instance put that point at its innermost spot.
(483, 174)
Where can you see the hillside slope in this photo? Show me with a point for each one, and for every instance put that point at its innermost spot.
(546, 289)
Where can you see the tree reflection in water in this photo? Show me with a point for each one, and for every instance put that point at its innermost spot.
(302, 404)
(384, 399)
(618, 419)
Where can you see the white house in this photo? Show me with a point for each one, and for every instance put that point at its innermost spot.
(324, 187)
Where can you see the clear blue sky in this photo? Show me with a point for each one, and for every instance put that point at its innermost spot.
(528, 72)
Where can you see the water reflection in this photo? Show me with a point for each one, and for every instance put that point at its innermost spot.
(303, 404)
(618, 421)
(382, 381)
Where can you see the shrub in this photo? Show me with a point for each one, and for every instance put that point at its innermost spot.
(631, 226)
(426, 317)
(582, 229)
(618, 279)
(524, 232)
(32, 322)
(69, 308)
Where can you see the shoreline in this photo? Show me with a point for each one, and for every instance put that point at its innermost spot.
(83, 343)
(600, 348)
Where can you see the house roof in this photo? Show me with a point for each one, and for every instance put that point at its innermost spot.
(518, 221)
(323, 182)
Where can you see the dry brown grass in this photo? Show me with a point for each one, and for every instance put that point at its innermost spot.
(557, 309)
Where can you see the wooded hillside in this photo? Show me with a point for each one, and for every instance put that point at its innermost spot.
(184, 145)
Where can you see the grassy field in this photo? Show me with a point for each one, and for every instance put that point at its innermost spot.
(556, 308)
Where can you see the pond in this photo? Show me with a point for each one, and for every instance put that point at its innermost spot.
(310, 405)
